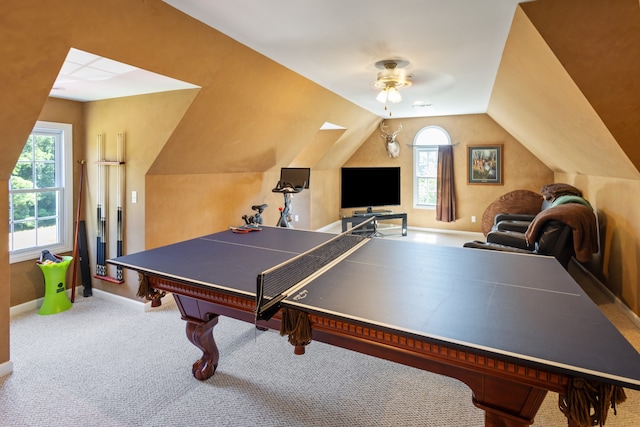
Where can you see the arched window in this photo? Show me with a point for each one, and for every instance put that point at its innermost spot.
(425, 165)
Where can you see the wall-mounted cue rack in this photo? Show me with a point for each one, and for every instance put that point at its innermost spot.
(104, 166)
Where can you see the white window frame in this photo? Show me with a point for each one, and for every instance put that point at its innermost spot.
(65, 213)
(423, 143)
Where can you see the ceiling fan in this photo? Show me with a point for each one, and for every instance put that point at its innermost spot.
(390, 79)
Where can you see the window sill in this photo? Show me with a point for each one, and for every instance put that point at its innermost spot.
(425, 207)
(34, 254)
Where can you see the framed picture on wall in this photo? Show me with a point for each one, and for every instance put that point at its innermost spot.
(484, 164)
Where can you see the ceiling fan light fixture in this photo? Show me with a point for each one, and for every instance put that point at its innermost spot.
(389, 80)
(382, 96)
(389, 94)
(392, 76)
(393, 95)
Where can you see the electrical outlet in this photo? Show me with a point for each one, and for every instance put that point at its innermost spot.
(296, 218)
(473, 218)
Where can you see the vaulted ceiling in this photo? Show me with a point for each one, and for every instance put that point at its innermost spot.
(452, 48)
(561, 73)
(597, 42)
(566, 87)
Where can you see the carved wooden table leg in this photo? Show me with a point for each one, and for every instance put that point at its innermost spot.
(201, 335)
(507, 404)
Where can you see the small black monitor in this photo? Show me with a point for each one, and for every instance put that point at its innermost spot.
(296, 177)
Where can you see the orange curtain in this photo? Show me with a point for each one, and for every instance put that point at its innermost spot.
(446, 198)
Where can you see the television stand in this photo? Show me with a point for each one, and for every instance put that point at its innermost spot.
(361, 216)
(370, 212)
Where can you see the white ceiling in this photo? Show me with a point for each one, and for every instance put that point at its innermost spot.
(453, 48)
(88, 77)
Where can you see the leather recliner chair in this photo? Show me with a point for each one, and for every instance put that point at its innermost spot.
(561, 231)
(555, 239)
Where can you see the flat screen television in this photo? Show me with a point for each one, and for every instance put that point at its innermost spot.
(369, 187)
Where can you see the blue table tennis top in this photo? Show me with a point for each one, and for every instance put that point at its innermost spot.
(525, 307)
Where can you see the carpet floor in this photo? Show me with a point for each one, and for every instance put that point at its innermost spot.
(103, 364)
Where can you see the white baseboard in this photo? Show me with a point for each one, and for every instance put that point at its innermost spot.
(630, 314)
(445, 231)
(134, 304)
(6, 368)
(622, 306)
(35, 304)
(24, 307)
(330, 226)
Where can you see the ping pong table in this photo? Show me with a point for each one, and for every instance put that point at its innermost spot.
(512, 327)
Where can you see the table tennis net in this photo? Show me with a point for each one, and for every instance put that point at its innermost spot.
(274, 284)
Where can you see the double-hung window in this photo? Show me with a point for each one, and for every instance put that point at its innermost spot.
(425, 165)
(40, 194)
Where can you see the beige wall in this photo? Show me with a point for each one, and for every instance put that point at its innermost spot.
(254, 131)
(147, 122)
(188, 151)
(598, 44)
(186, 206)
(564, 91)
(5, 285)
(176, 207)
(617, 211)
(26, 278)
(537, 101)
(521, 169)
(324, 198)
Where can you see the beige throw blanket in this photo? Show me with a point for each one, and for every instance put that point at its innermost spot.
(580, 218)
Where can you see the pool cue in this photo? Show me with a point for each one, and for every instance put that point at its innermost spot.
(103, 218)
(75, 242)
(99, 211)
(120, 195)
